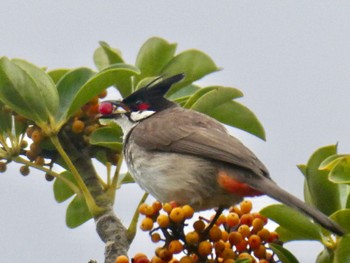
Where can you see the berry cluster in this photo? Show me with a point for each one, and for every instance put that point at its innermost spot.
(239, 234)
(77, 130)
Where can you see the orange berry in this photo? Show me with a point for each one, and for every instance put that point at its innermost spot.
(122, 259)
(254, 241)
(221, 220)
(199, 226)
(232, 219)
(273, 237)
(204, 248)
(167, 207)
(78, 126)
(260, 252)
(188, 211)
(186, 259)
(228, 254)
(235, 238)
(24, 170)
(146, 224)
(263, 261)
(244, 230)
(139, 256)
(264, 234)
(177, 215)
(163, 221)
(219, 247)
(164, 254)
(36, 136)
(157, 206)
(175, 247)
(247, 219)
(230, 260)
(246, 255)
(192, 238)
(103, 94)
(94, 100)
(224, 235)
(155, 237)
(242, 246)
(215, 234)
(257, 224)
(246, 206)
(235, 209)
(39, 160)
(142, 208)
(156, 259)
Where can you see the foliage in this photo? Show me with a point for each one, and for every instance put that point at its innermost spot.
(48, 122)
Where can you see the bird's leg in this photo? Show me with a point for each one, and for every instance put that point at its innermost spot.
(216, 217)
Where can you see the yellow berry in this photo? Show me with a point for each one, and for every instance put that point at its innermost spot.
(142, 208)
(221, 220)
(122, 259)
(167, 207)
(188, 211)
(257, 224)
(228, 254)
(232, 219)
(146, 224)
(244, 230)
(264, 234)
(204, 248)
(192, 238)
(77, 126)
(177, 215)
(163, 221)
(175, 247)
(246, 206)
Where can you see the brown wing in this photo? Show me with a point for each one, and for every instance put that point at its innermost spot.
(196, 134)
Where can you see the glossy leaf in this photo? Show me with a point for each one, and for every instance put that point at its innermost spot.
(342, 217)
(57, 74)
(77, 212)
(104, 56)
(193, 63)
(68, 87)
(100, 82)
(5, 119)
(186, 91)
(293, 221)
(196, 96)
(154, 54)
(61, 191)
(342, 251)
(110, 137)
(330, 162)
(27, 90)
(287, 235)
(340, 174)
(284, 255)
(324, 194)
(125, 178)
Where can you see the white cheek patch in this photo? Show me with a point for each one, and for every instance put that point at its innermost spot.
(140, 115)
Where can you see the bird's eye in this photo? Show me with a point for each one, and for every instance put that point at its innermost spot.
(142, 106)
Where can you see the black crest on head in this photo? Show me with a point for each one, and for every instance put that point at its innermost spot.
(153, 94)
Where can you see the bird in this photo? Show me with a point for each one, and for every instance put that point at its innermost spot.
(181, 155)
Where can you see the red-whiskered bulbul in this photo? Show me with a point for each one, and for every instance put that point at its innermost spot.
(181, 155)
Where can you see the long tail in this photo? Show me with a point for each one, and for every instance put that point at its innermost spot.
(283, 196)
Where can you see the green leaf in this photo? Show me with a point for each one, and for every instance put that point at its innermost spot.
(110, 137)
(68, 87)
(98, 83)
(193, 63)
(5, 119)
(28, 90)
(57, 74)
(196, 96)
(184, 92)
(342, 217)
(340, 174)
(284, 255)
(61, 190)
(342, 251)
(154, 54)
(326, 256)
(77, 212)
(302, 168)
(293, 221)
(104, 56)
(324, 194)
(330, 162)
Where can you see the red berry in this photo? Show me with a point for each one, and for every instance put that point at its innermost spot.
(106, 108)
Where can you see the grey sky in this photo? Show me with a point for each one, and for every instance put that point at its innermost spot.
(290, 58)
